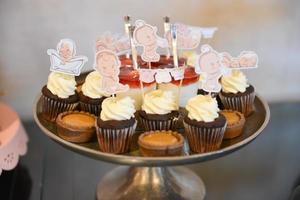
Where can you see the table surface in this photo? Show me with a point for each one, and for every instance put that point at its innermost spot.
(268, 168)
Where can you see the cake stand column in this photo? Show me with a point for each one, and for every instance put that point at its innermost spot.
(151, 183)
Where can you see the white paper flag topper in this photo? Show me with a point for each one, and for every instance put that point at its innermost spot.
(146, 36)
(63, 59)
(186, 38)
(114, 42)
(108, 65)
(246, 60)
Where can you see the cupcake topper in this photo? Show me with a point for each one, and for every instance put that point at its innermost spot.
(108, 65)
(115, 42)
(146, 36)
(210, 66)
(246, 60)
(63, 59)
(189, 37)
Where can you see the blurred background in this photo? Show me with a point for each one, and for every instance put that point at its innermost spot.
(30, 27)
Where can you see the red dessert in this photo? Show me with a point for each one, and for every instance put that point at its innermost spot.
(130, 76)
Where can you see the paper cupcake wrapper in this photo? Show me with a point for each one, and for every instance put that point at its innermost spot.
(243, 104)
(93, 109)
(51, 108)
(202, 139)
(115, 140)
(152, 125)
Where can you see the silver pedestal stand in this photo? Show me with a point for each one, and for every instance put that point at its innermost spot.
(152, 177)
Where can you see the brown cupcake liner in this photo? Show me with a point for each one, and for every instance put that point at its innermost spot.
(91, 108)
(115, 141)
(152, 125)
(51, 107)
(243, 104)
(204, 139)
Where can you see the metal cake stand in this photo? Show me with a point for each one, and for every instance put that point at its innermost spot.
(156, 177)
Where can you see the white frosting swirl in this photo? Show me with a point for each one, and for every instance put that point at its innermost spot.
(202, 108)
(92, 86)
(159, 102)
(62, 85)
(234, 83)
(117, 109)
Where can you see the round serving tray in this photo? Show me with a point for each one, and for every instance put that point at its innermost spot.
(254, 125)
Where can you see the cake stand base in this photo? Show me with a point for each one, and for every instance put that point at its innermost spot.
(151, 183)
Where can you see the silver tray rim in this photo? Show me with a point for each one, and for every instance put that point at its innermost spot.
(152, 161)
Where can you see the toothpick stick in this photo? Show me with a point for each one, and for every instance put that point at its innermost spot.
(166, 29)
(134, 57)
(114, 97)
(175, 57)
(149, 65)
(174, 44)
(133, 49)
(127, 25)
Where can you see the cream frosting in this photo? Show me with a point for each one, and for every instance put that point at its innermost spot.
(62, 85)
(92, 86)
(234, 83)
(117, 109)
(203, 108)
(159, 102)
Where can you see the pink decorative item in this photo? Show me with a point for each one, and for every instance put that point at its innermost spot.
(146, 75)
(210, 66)
(246, 60)
(163, 76)
(114, 42)
(63, 59)
(146, 36)
(186, 38)
(13, 138)
(108, 65)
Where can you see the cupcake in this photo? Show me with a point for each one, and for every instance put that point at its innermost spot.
(160, 143)
(76, 126)
(204, 125)
(116, 125)
(235, 123)
(91, 94)
(59, 95)
(236, 93)
(159, 111)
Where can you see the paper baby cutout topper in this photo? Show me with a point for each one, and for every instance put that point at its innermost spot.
(115, 42)
(212, 65)
(189, 37)
(108, 65)
(246, 60)
(146, 36)
(63, 59)
(186, 39)
(161, 75)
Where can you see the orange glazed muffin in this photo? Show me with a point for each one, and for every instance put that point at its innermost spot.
(76, 126)
(160, 143)
(235, 123)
